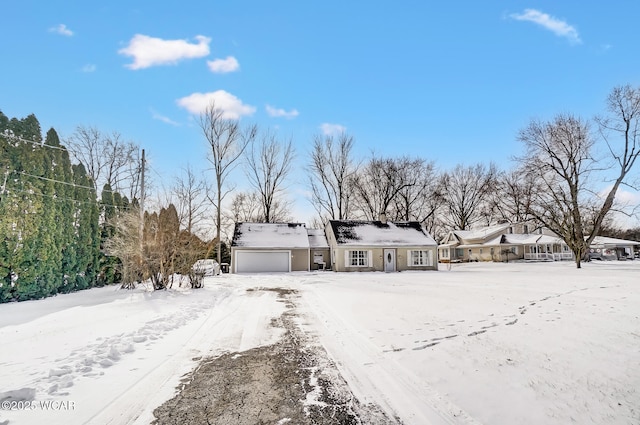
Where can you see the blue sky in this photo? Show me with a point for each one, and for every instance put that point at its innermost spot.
(452, 82)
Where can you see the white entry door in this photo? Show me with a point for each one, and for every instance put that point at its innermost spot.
(389, 260)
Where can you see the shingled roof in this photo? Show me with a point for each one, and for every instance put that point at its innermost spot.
(377, 233)
(270, 235)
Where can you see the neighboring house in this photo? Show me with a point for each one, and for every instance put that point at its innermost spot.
(380, 246)
(604, 248)
(319, 250)
(269, 247)
(503, 242)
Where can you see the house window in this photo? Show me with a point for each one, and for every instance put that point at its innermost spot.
(420, 258)
(444, 253)
(480, 251)
(514, 250)
(526, 229)
(510, 230)
(358, 258)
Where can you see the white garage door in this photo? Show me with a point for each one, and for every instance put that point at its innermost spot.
(262, 262)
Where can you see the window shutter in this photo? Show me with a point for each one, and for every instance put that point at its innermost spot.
(409, 256)
(346, 258)
(430, 258)
(370, 258)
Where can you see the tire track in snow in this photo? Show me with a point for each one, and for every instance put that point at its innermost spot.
(371, 374)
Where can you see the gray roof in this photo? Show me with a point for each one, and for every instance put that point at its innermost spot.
(317, 238)
(377, 233)
(270, 235)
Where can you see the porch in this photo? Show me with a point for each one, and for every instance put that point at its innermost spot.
(547, 252)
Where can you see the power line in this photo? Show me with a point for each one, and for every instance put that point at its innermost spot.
(31, 142)
(62, 198)
(71, 184)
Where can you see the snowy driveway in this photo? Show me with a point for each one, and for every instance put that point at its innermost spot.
(482, 343)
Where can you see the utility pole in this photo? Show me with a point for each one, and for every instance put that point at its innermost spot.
(141, 230)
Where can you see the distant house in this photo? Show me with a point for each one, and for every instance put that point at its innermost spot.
(270, 247)
(380, 246)
(319, 250)
(503, 242)
(604, 248)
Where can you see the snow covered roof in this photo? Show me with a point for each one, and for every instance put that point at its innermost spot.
(603, 240)
(481, 233)
(377, 233)
(270, 235)
(317, 238)
(524, 239)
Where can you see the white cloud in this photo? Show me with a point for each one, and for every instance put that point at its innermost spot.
(557, 26)
(232, 107)
(278, 112)
(628, 198)
(150, 51)
(156, 116)
(331, 129)
(62, 30)
(223, 66)
(89, 68)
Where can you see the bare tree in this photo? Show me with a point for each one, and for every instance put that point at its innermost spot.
(330, 175)
(191, 199)
(559, 154)
(620, 130)
(245, 207)
(511, 200)
(465, 191)
(268, 165)
(420, 198)
(227, 140)
(125, 244)
(378, 183)
(107, 158)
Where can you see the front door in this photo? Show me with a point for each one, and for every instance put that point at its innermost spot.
(389, 260)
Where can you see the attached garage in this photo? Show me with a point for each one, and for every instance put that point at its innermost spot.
(269, 248)
(262, 261)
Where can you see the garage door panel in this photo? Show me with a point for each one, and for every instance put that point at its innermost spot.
(262, 262)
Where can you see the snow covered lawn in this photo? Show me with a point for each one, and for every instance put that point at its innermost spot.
(538, 343)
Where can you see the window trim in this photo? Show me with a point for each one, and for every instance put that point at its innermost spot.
(425, 258)
(364, 259)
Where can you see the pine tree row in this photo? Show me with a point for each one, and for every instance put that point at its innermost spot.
(50, 232)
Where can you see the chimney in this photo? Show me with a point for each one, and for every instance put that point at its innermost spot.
(383, 218)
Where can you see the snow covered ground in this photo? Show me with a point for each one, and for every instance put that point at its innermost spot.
(525, 343)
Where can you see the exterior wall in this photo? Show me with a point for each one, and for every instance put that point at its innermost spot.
(403, 258)
(326, 257)
(339, 254)
(299, 260)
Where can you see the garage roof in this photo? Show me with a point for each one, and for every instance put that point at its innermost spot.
(270, 235)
